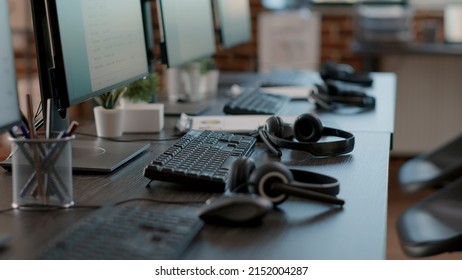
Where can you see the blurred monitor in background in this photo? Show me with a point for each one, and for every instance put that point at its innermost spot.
(186, 30)
(453, 23)
(233, 21)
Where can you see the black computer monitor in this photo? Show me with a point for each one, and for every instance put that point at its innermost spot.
(9, 105)
(186, 30)
(98, 45)
(233, 21)
(86, 48)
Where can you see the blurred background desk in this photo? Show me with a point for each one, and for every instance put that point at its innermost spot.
(373, 51)
(428, 91)
(382, 119)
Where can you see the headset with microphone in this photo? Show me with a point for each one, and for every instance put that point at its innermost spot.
(276, 182)
(330, 70)
(307, 130)
(333, 97)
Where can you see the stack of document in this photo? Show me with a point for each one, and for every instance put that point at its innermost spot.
(228, 123)
(384, 23)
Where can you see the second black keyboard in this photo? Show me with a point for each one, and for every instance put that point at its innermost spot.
(200, 159)
(253, 102)
(288, 78)
(125, 233)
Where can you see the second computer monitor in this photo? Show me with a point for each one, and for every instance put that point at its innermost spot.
(187, 30)
(233, 22)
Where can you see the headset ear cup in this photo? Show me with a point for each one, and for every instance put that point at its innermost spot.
(272, 125)
(262, 178)
(307, 128)
(239, 174)
(278, 127)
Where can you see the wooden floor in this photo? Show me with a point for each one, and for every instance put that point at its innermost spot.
(397, 203)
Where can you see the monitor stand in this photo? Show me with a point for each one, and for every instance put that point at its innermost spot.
(99, 156)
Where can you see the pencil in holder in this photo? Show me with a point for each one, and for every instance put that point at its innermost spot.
(42, 172)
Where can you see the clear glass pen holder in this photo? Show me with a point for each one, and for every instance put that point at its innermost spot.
(42, 172)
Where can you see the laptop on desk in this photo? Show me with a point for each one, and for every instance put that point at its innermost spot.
(98, 156)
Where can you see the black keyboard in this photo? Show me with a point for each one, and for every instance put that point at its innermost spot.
(281, 78)
(125, 233)
(200, 159)
(253, 102)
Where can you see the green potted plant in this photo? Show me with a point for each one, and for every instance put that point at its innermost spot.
(195, 77)
(141, 114)
(110, 100)
(143, 90)
(207, 65)
(108, 115)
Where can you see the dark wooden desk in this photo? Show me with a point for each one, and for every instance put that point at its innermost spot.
(297, 230)
(382, 119)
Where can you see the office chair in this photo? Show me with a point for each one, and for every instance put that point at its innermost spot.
(433, 226)
(432, 169)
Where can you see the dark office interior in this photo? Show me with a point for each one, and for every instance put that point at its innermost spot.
(428, 85)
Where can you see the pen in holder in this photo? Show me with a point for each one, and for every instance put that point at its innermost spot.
(42, 171)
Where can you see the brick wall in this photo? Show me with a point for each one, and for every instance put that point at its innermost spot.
(336, 38)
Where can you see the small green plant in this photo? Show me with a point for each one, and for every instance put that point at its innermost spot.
(204, 64)
(207, 64)
(143, 90)
(111, 99)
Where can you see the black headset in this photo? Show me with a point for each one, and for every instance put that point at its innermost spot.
(276, 182)
(330, 70)
(308, 130)
(331, 96)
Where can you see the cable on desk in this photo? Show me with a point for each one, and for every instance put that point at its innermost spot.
(161, 201)
(40, 207)
(128, 140)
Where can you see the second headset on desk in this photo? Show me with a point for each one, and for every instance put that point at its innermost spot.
(276, 182)
(304, 135)
(334, 97)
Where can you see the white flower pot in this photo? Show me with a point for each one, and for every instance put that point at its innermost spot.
(194, 83)
(212, 78)
(109, 122)
(175, 87)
